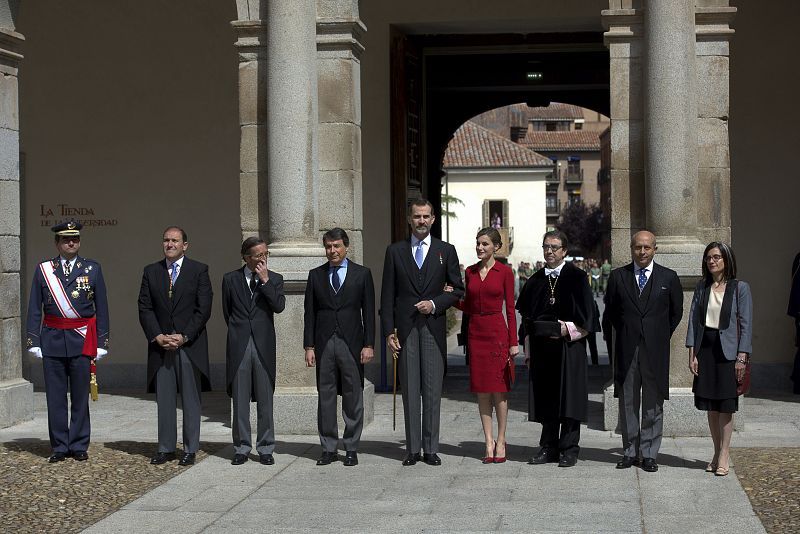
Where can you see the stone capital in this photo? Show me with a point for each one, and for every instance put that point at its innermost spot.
(251, 39)
(713, 23)
(334, 35)
(10, 47)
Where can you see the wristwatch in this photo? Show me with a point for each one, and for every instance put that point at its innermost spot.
(185, 339)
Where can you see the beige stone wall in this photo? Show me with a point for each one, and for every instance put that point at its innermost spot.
(130, 109)
(764, 178)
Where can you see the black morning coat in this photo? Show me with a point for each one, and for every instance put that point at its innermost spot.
(404, 284)
(249, 315)
(649, 319)
(558, 385)
(350, 312)
(187, 313)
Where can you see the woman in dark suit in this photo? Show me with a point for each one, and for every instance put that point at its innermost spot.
(719, 339)
(491, 338)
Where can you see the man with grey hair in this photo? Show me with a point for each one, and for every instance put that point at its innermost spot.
(644, 304)
(251, 296)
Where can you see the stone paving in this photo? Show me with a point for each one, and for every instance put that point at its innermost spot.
(462, 495)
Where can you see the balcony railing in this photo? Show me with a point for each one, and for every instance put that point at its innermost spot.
(553, 211)
(574, 176)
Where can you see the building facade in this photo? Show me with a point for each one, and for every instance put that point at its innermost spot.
(286, 118)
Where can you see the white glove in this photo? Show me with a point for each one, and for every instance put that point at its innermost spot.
(100, 353)
(36, 351)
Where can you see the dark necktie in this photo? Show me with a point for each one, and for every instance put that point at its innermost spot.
(335, 281)
(642, 279)
(253, 283)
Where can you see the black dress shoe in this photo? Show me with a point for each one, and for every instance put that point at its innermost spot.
(649, 465)
(567, 460)
(431, 459)
(57, 457)
(627, 462)
(543, 457)
(266, 459)
(327, 458)
(412, 458)
(350, 458)
(187, 459)
(239, 459)
(162, 458)
(80, 456)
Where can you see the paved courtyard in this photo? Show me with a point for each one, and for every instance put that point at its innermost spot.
(462, 495)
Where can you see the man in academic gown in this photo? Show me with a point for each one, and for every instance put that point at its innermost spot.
(557, 308)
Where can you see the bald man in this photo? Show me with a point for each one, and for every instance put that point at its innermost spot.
(644, 304)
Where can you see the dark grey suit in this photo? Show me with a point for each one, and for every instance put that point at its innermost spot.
(250, 355)
(338, 325)
(423, 338)
(186, 370)
(644, 324)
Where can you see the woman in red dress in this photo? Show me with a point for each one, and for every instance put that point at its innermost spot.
(491, 339)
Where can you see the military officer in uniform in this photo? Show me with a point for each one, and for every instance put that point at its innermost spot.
(67, 327)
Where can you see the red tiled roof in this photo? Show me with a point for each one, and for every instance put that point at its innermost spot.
(475, 146)
(573, 140)
(555, 111)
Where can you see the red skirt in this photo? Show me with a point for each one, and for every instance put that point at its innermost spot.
(488, 354)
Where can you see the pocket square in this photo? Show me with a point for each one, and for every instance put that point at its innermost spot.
(662, 287)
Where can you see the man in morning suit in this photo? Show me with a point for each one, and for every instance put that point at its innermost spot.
(71, 292)
(251, 296)
(174, 307)
(414, 302)
(644, 304)
(339, 335)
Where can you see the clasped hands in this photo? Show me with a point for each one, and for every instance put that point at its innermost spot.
(170, 341)
(367, 354)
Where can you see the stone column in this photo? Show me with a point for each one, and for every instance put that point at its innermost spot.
(16, 394)
(339, 33)
(669, 105)
(670, 131)
(293, 136)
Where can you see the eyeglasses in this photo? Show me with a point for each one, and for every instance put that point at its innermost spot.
(554, 248)
(261, 256)
(715, 257)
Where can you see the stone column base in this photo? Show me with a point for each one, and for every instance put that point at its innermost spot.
(681, 418)
(295, 410)
(16, 402)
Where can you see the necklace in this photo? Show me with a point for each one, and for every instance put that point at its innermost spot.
(551, 282)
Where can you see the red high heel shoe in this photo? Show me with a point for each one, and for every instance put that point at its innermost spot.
(489, 459)
(500, 459)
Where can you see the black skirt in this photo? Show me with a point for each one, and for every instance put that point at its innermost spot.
(715, 387)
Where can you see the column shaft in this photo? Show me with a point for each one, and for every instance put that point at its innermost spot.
(292, 128)
(671, 118)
